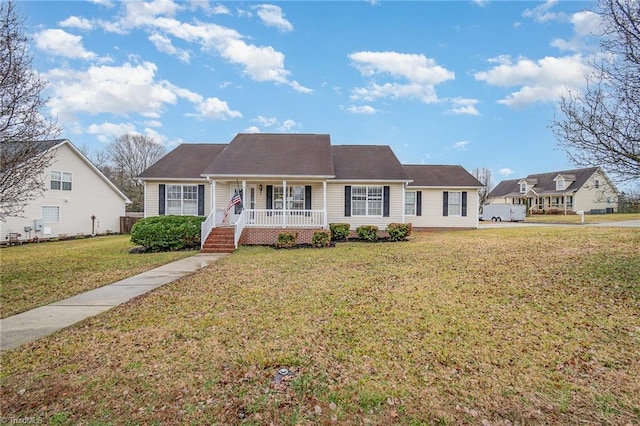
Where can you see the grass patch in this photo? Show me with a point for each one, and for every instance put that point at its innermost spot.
(575, 218)
(530, 325)
(33, 275)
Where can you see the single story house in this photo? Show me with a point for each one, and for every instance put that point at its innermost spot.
(78, 199)
(302, 182)
(567, 191)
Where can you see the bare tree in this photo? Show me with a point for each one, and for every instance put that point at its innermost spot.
(23, 128)
(601, 126)
(484, 176)
(131, 154)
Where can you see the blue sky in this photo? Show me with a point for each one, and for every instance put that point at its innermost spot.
(474, 83)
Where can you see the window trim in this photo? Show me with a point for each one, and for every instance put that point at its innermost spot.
(42, 215)
(368, 199)
(61, 181)
(450, 204)
(414, 204)
(181, 199)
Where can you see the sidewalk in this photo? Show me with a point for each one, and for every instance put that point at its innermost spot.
(39, 322)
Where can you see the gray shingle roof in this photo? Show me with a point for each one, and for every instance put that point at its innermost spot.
(440, 176)
(187, 161)
(370, 162)
(274, 154)
(544, 183)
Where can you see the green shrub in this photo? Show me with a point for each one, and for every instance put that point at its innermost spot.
(167, 233)
(398, 231)
(367, 232)
(339, 231)
(287, 239)
(321, 239)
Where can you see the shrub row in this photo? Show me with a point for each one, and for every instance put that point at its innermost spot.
(167, 233)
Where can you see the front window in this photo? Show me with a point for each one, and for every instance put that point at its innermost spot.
(455, 203)
(295, 197)
(410, 203)
(182, 199)
(61, 181)
(366, 201)
(50, 214)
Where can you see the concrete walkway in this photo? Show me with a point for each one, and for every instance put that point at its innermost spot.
(39, 322)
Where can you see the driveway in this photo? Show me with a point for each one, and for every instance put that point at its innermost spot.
(623, 224)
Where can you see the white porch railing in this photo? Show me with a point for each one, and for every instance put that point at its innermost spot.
(240, 224)
(263, 218)
(206, 227)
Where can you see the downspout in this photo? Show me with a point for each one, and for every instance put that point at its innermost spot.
(324, 203)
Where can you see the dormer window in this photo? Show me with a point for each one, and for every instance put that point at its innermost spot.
(597, 183)
(560, 184)
(523, 186)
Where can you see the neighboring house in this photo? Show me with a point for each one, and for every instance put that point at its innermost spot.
(567, 191)
(301, 182)
(78, 199)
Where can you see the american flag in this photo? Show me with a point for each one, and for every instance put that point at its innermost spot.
(236, 199)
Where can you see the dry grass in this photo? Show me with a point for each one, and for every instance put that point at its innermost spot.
(33, 275)
(499, 326)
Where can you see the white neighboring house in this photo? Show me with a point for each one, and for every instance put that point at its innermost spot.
(78, 199)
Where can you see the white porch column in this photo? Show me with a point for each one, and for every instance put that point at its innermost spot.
(244, 192)
(213, 201)
(284, 203)
(325, 220)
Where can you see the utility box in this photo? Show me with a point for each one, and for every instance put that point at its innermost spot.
(37, 225)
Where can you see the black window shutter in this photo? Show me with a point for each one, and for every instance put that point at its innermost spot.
(445, 203)
(161, 195)
(385, 200)
(419, 203)
(200, 200)
(307, 197)
(347, 201)
(464, 203)
(269, 197)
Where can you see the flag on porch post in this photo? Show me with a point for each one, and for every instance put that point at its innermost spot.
(234, 200)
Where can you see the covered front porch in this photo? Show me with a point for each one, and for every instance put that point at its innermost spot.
(266, 204)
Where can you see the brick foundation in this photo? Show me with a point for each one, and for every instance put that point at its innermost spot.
(260, 236)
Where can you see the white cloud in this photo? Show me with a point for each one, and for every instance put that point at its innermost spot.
(364, 109)
(506, 171)
(585, 25)
(110, 89)
(265, 121)
(288, 125)
(252, 129)
(260, 63)
(417, 73)
(163, 44)
(215, 109)
(543, 13)
(461, 146)
(107, 132)
(77, 22)
(464, 106)
(543, 80)
(272, 16)
(60, 43)
(106, 3)
(153, 123)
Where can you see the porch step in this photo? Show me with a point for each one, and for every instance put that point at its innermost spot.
(220, 240)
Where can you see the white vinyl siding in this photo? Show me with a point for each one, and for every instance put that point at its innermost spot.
(432, 211)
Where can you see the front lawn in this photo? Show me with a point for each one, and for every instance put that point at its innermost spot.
(33, 275)
(497, 326)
